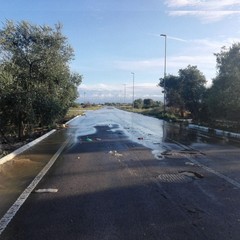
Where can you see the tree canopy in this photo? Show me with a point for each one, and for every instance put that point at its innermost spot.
(138, 103)
(37, 86)
(185, 91)
(221, 101)
(223, 98)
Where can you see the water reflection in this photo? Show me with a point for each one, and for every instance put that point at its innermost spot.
(191, 137)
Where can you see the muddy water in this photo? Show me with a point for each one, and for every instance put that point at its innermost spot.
(16, 174)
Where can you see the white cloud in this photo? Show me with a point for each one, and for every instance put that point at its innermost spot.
(102, 93)
(199, 52)
(205, 16)
(100, 87)
(207, 46)
(207, 11)
(169, 37)
(207, 5)
(176, 62)
(176, 39)
(114, 87)
(192, 60)
(182, 3)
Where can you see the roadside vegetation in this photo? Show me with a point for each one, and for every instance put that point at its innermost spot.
(36, 85)
(188, 97)
(149, 107)
(38, 89)
(217, 106)
(79, 109)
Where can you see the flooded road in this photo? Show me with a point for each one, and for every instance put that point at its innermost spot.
(126, 176)
(16, 174)
(160, 136)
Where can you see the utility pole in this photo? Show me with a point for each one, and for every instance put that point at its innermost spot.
(124, 94)
(133, 74)
(165, 70)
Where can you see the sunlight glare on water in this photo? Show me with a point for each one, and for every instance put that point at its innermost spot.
(144, 130)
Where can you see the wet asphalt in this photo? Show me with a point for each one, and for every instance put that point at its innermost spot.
(112, 188)
(18, 173)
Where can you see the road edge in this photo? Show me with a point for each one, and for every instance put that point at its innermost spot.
(13, 154)
(9, 215)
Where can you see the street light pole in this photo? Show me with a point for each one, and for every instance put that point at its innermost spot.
(124, 94)
(165, 69)
(133, 87)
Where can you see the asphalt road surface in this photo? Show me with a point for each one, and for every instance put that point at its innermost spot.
(112, 186)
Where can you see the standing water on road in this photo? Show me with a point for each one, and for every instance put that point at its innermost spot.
(144, 130)
(151, 132)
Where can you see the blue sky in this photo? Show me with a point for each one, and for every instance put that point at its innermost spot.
(112, 38)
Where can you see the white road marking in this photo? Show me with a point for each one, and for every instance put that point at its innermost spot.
(10, 156)
(6, 219)
(46, 190)
(228, 179)
(220, 175)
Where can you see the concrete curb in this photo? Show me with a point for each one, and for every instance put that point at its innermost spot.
(72, 119)
(10, 156)
(217, 132)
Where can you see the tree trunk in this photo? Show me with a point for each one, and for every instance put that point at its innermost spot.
(20, 126)
(182, 112)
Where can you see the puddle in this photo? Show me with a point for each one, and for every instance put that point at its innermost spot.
(19, 168)
(192, 174)
(158, 154)
(191, 164)
(181, 153)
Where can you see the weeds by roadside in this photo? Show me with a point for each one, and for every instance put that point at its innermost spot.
(10, 142)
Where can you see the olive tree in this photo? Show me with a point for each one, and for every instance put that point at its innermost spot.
(223, 97)
(186, 90)
(38, 86)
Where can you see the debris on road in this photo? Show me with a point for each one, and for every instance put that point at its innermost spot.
(46, 190)
(115, 153)
(190, 164)
(167, 152)
(89, 139)
(61, 126)
(158, 154)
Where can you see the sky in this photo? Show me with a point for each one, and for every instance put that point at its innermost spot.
(112, 39)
